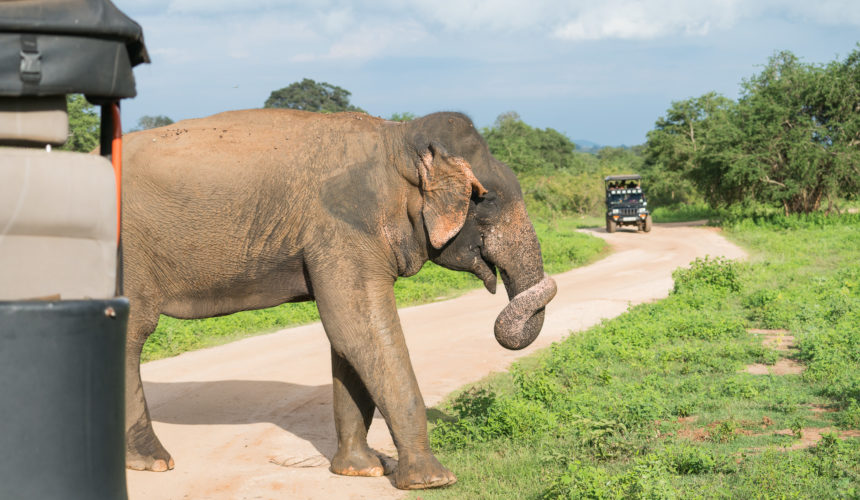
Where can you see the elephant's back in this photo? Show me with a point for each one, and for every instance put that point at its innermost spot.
(233, 168)
(250, 140)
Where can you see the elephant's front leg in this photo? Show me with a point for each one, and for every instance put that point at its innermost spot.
(359, 314)
(353, 413)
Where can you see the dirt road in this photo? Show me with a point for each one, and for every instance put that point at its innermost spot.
(253, 419)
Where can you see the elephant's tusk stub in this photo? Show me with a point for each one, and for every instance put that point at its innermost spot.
(511, 330)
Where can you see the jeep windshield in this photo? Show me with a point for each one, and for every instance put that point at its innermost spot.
(625, 198)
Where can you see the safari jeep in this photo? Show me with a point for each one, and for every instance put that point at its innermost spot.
(625, 203)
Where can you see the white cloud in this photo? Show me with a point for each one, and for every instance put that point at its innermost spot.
(631, 19)
(363, 42)
(216, 7)
(832, 12)
(650, 19)
(475, 15)
(339, 30)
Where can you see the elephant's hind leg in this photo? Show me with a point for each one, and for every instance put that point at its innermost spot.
(143, 449)
(353, 413)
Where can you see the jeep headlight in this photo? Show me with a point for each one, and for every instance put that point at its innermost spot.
(642, 210)
(615, 211)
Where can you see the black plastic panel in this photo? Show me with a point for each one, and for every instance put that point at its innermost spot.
(62, 423)
(66, 65)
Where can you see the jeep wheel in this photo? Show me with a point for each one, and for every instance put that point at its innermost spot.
(647, 226)
(610, 226)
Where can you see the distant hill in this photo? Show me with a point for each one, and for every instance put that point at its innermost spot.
(591, 147)
(587, 146)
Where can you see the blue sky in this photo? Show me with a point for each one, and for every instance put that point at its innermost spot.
(602, 71)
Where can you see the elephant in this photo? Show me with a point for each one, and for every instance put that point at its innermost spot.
(251, 209)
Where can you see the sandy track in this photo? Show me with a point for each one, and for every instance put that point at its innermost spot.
(253, 419)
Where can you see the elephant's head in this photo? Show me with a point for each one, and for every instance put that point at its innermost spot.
(476, 221)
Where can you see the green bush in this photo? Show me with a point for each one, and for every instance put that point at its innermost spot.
(586, 482)
(719, 273)
(849, 417)
(481, 416)
(648, 478)
(686, 459)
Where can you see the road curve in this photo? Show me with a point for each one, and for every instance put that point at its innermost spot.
(253, 419)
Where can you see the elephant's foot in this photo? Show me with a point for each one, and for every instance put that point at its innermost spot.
(360, 462)
(134, 461)
(145, 452)
(421, 472)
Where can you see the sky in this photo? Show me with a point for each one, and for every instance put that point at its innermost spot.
(602, 71)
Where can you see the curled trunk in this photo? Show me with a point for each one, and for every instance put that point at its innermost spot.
(521, 320)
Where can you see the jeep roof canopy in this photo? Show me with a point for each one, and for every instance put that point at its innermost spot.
(55, 47)
(632, 177)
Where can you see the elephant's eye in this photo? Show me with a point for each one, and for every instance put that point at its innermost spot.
(487, 207)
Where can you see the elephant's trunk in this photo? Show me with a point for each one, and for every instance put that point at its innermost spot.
(521, 320)
(515, 250)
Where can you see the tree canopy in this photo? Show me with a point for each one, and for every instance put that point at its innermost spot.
(528, 149)
(554, 176)
(309, 95)
(677, 145)
(402, 117)
(147, 122)
(792, 139)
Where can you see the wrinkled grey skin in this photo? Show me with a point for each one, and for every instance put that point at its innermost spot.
(251, 209)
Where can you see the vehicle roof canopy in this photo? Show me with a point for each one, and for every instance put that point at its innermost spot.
(53, 47)
(631, 177)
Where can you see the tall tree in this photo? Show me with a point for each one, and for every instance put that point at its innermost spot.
(793, 132)
(528, 149)
(84, 122)
(675, 147)
(791, 140)
(554, 177)
(838, 102)
(309, 95)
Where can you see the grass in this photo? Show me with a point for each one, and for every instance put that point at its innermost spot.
(563, 248)
(657, 402)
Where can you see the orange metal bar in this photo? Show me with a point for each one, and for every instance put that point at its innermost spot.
(116, 160)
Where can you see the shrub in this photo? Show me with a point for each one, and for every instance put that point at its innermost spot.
(482, 415)
(584, 481)
(603, 437)
(719, 273)
(648, 478)
(724, 432)
(849, 417)
(686, 459)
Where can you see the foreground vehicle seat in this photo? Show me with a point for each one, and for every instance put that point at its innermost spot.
(58, 234)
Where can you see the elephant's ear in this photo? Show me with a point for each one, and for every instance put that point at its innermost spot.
(446, 184)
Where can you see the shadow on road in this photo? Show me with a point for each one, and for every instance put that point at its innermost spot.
(302, 410)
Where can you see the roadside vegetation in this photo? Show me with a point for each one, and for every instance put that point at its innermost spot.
(743, 383)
